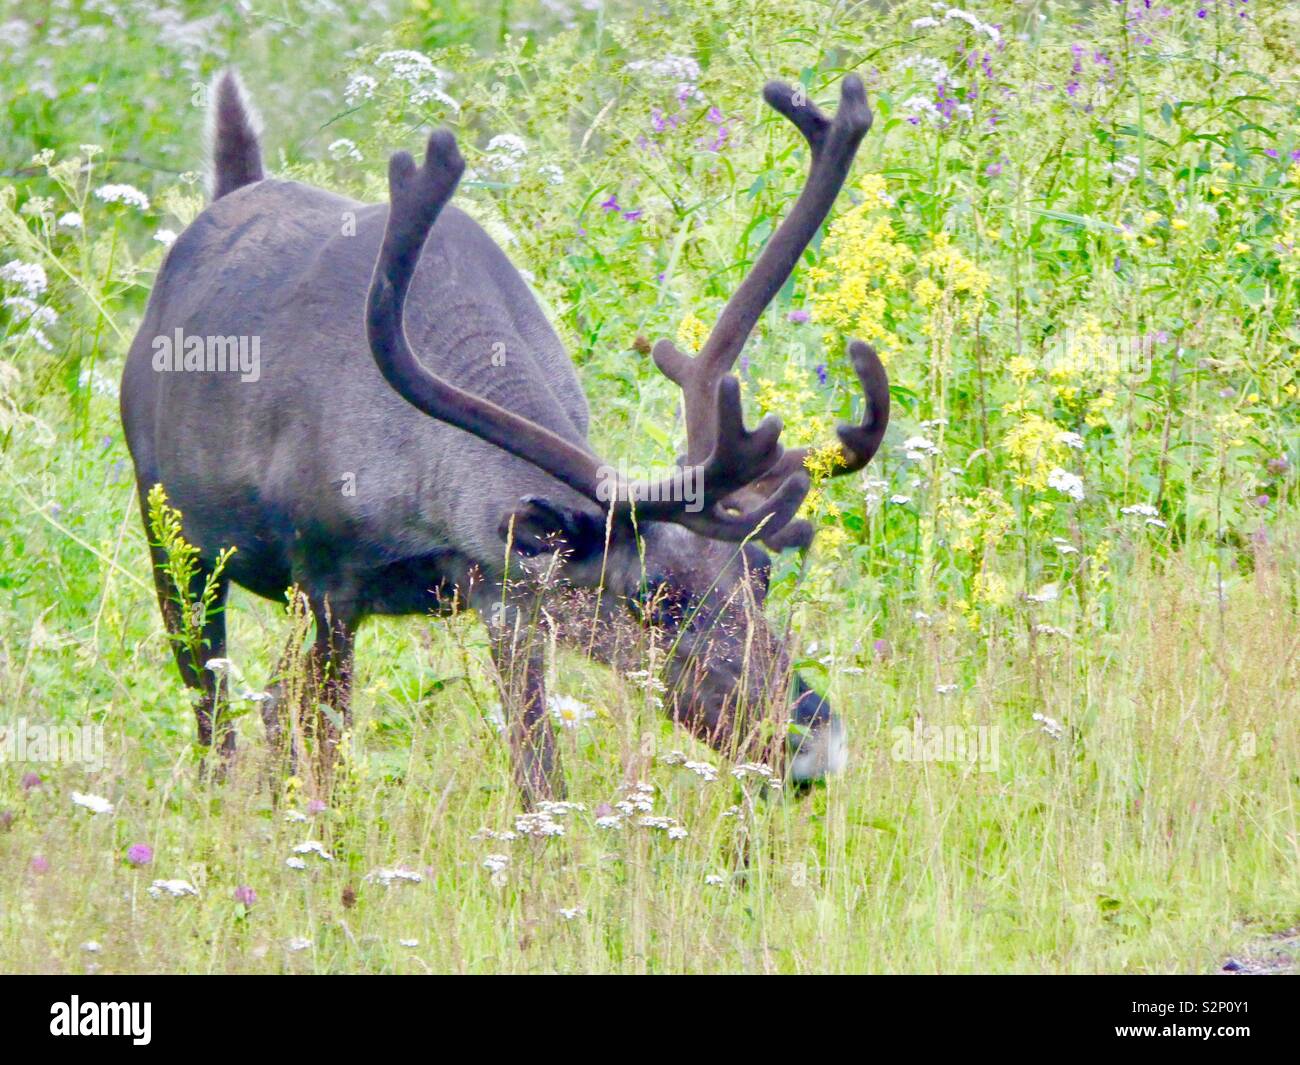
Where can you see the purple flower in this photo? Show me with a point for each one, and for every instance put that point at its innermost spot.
(1279, 465)
(1261, 500)
(316, 806)
(715, 115)
(1202, 13)
(633, 216)
(798, 316)
(1072, 88)
(30, 781)
(611, 204)
(245, 895)
(993, 170)
(6, 820)
(39, 865)
(139, 854)
(881, 647)
(1271, 152)
(820, 371)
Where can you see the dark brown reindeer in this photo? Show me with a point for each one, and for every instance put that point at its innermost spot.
(379, 481)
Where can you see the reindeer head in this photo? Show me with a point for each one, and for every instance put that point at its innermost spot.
(688, 564)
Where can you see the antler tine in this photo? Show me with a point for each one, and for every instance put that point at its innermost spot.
(833, 142)
(858, 444)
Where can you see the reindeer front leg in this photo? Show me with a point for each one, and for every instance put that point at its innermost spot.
(517, 655)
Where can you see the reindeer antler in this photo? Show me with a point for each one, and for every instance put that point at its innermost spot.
(737, 456)
(833, 143)
(750, 483)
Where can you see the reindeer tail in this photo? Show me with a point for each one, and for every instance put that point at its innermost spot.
(233, 128)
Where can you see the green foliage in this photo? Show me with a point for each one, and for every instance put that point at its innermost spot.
(193, 588)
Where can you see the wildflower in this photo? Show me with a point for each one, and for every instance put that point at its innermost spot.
(359, 87)
(424, 81)
(754, 769)
(664, 824)
(706, 772)
(295, 816)
(175, 888)
(1064, 481)
(298, 943)
(798, 316)
(505, 154)
(245, 895)
(312, 846)
(139, 854)
(1048, 593)
(165, 237)
(30, 781)
(1050, 726)
(91, 947)
(559, 808)
(96, 804)
(539, 825)
(295, 863)
(389, 877)
(610, 821)
(487, 833)
(611, 204)
(946, 689)
(344, 149)
(918, 447)
(1073, 440)
(568, 711)
(316, 806)
(571, 912)
(715, 880)
(39, 865)
(70, 219)
(30, 277)
(496, 863)
(127, 194)
(408, 943)
(683, 71)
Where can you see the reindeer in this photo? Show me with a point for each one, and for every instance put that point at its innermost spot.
(473, 483)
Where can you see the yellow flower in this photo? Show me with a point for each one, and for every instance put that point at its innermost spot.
(861, 268)
(1178, 223)
(692, 333)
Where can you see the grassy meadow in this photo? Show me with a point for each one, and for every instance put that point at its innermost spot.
(1058, 612)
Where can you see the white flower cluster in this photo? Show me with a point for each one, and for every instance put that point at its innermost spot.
(175, 888)
(388, 877)
(414, 69)
(1147, 512)
(1065, 481)
(127, 194)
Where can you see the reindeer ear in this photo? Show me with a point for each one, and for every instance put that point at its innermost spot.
(541, 526)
